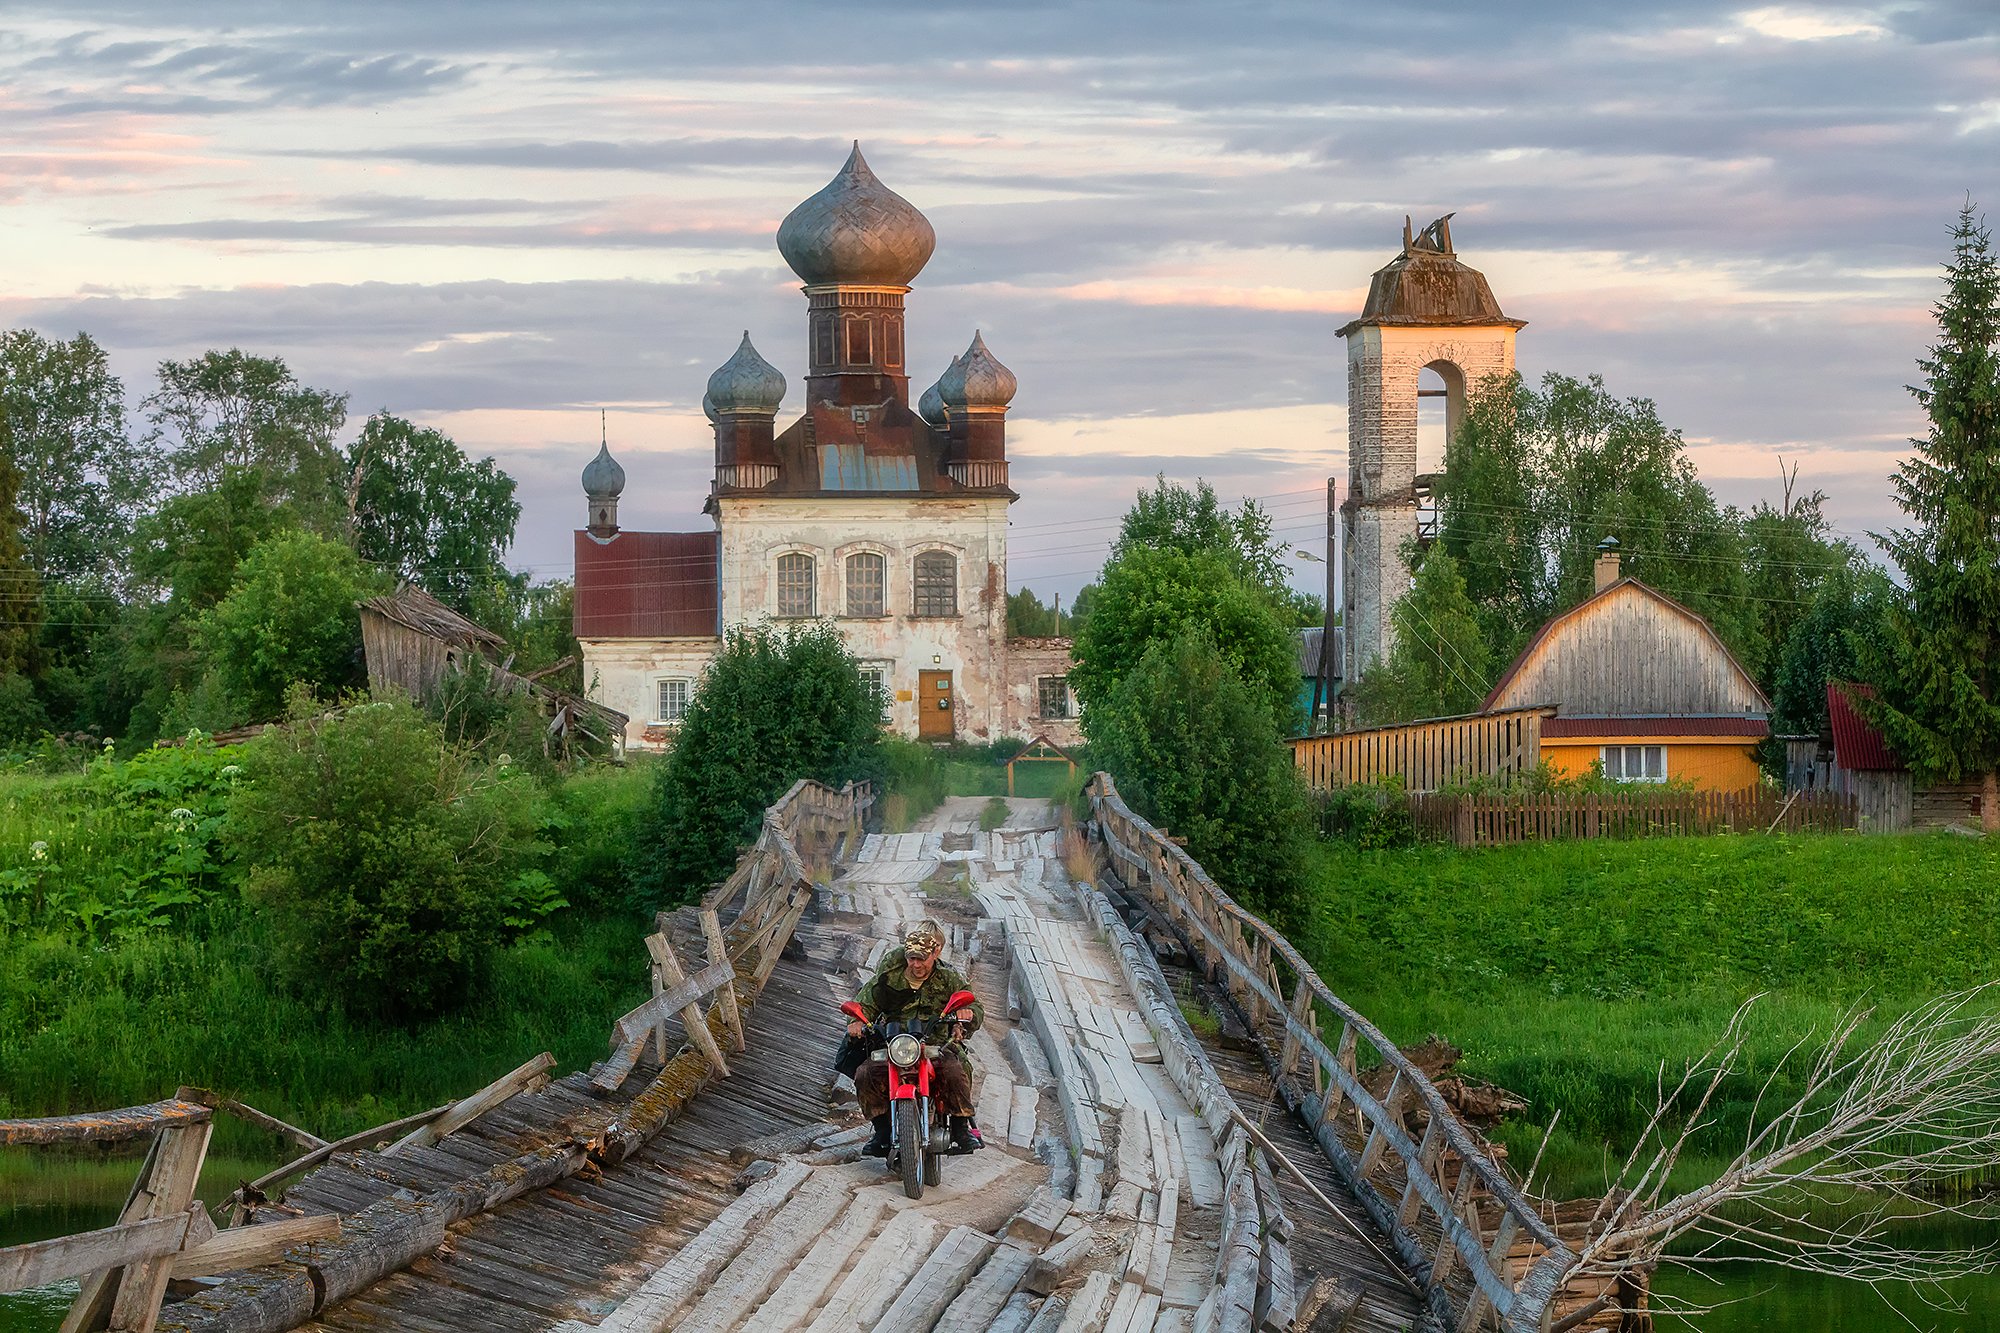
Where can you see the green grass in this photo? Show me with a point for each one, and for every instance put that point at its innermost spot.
(1569, 972)
(994, 813)
(86, 1027)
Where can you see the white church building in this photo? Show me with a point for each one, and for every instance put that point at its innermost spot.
(886, 519)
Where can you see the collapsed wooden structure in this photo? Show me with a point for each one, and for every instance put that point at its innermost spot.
(416, 644)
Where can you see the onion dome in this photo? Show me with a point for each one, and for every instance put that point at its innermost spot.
(931, 406)
(746, 382)
(708, 407)
(603, 479)
(978, 379)
(856, 231)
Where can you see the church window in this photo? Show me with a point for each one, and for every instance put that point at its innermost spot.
(795, 585)
(867, 584)
(1054, 696)
(937, 584)
(858, 349)
(672, 703)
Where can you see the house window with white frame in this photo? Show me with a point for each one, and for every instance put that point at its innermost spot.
(1052, 693)
(876, 676)
(671, 701)
(1635, 763)
(936, 584)
(795, 585)
(867, 585)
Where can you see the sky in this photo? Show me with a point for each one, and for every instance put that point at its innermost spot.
(501, 218)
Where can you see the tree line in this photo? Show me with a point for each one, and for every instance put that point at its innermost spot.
(183, 567)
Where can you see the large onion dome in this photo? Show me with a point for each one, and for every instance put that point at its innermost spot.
(603, 479)
(856, 231)
(931, 406)
(746, 382)
(977, 379)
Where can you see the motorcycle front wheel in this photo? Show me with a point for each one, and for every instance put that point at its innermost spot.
(910, 1147)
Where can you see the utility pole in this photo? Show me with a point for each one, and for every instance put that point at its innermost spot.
(1323, 676)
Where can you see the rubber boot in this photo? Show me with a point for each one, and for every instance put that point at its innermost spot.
(879, 1145)
(965, 1135)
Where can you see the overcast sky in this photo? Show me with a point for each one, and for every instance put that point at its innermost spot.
(499, 217)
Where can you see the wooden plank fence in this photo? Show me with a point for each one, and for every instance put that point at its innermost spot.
(1419, 1190)
(1498, 819)
(1425, 755)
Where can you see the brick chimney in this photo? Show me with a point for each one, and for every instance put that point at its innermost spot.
(1607, 563)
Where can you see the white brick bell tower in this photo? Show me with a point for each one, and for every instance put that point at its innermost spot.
(1425, 311)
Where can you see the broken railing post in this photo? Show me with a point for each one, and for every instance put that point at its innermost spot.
(711, 933)
(692, 1017)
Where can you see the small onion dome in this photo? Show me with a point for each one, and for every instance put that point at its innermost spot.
(603, 479)
(856, 231)
(979, 380)
(746, 382)
(931, 406)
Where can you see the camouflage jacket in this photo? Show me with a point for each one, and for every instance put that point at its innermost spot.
(888, 993)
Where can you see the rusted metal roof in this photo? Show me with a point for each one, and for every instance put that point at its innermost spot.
(1856, 744)
(1753, 727)
(647, 585)
(1424, 288)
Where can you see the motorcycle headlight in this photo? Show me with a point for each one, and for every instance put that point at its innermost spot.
(905, 1050)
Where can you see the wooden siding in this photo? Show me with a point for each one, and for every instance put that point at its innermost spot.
(1630, 652)
(1425, 755)
(1497, 820)
(1720, 764)
(399, 656)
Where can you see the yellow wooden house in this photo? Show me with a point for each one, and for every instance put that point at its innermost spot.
(1643, 686)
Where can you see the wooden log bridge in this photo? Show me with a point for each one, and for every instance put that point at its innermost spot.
(707, 1173)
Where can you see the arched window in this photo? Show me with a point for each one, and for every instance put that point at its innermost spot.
(795, 585)
(936, 584)
(867, 584)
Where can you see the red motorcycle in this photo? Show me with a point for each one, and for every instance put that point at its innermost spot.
(918, 1139)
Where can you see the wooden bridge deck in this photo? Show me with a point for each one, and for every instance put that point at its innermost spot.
(1100, 1204)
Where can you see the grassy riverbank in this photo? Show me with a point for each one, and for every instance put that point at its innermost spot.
(1569, 972)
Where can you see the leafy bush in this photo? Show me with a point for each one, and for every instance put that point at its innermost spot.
(1371, 815)
(391, 865)
(774, 706)
(593, 820)
(289, 618)
(125, 846)
(1195, 749)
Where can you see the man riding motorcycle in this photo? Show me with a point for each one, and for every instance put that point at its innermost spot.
(914, 983)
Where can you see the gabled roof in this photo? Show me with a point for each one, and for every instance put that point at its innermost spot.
(414, 609)
(1556, 623)
(1856, 744)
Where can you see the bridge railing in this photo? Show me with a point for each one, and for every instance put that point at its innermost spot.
(1423, 1192)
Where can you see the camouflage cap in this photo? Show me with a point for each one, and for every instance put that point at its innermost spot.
(924, 940)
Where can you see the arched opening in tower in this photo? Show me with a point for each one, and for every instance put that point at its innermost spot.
(1440, 400)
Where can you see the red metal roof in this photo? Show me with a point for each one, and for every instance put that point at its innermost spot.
(1556, 728)
(647, 585)
(1856, 745)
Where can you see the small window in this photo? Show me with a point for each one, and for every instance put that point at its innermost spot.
(1635, 763)
(858, 347)
(673, 699)
(1053, 692)
(823, 336)
(795, 585)
(937, 584)
(876, 676)
(867, 584)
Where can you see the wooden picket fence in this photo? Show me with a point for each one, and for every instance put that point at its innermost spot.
(1498, 819)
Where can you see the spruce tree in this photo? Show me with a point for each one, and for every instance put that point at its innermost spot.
(1937, 671)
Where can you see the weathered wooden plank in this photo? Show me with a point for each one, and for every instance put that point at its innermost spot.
(251, 1115)
(1087, 1308)
(1055, 1265)
(787, 1308)
(43, 1261)
(977, 1309)
(464, 1112)
(130, 1122)
(890, 1261)
(250, 1247)
(943, 1276)
(675, 999)
(762, 1264)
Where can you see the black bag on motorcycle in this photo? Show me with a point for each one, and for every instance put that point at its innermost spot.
(853, 1053)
